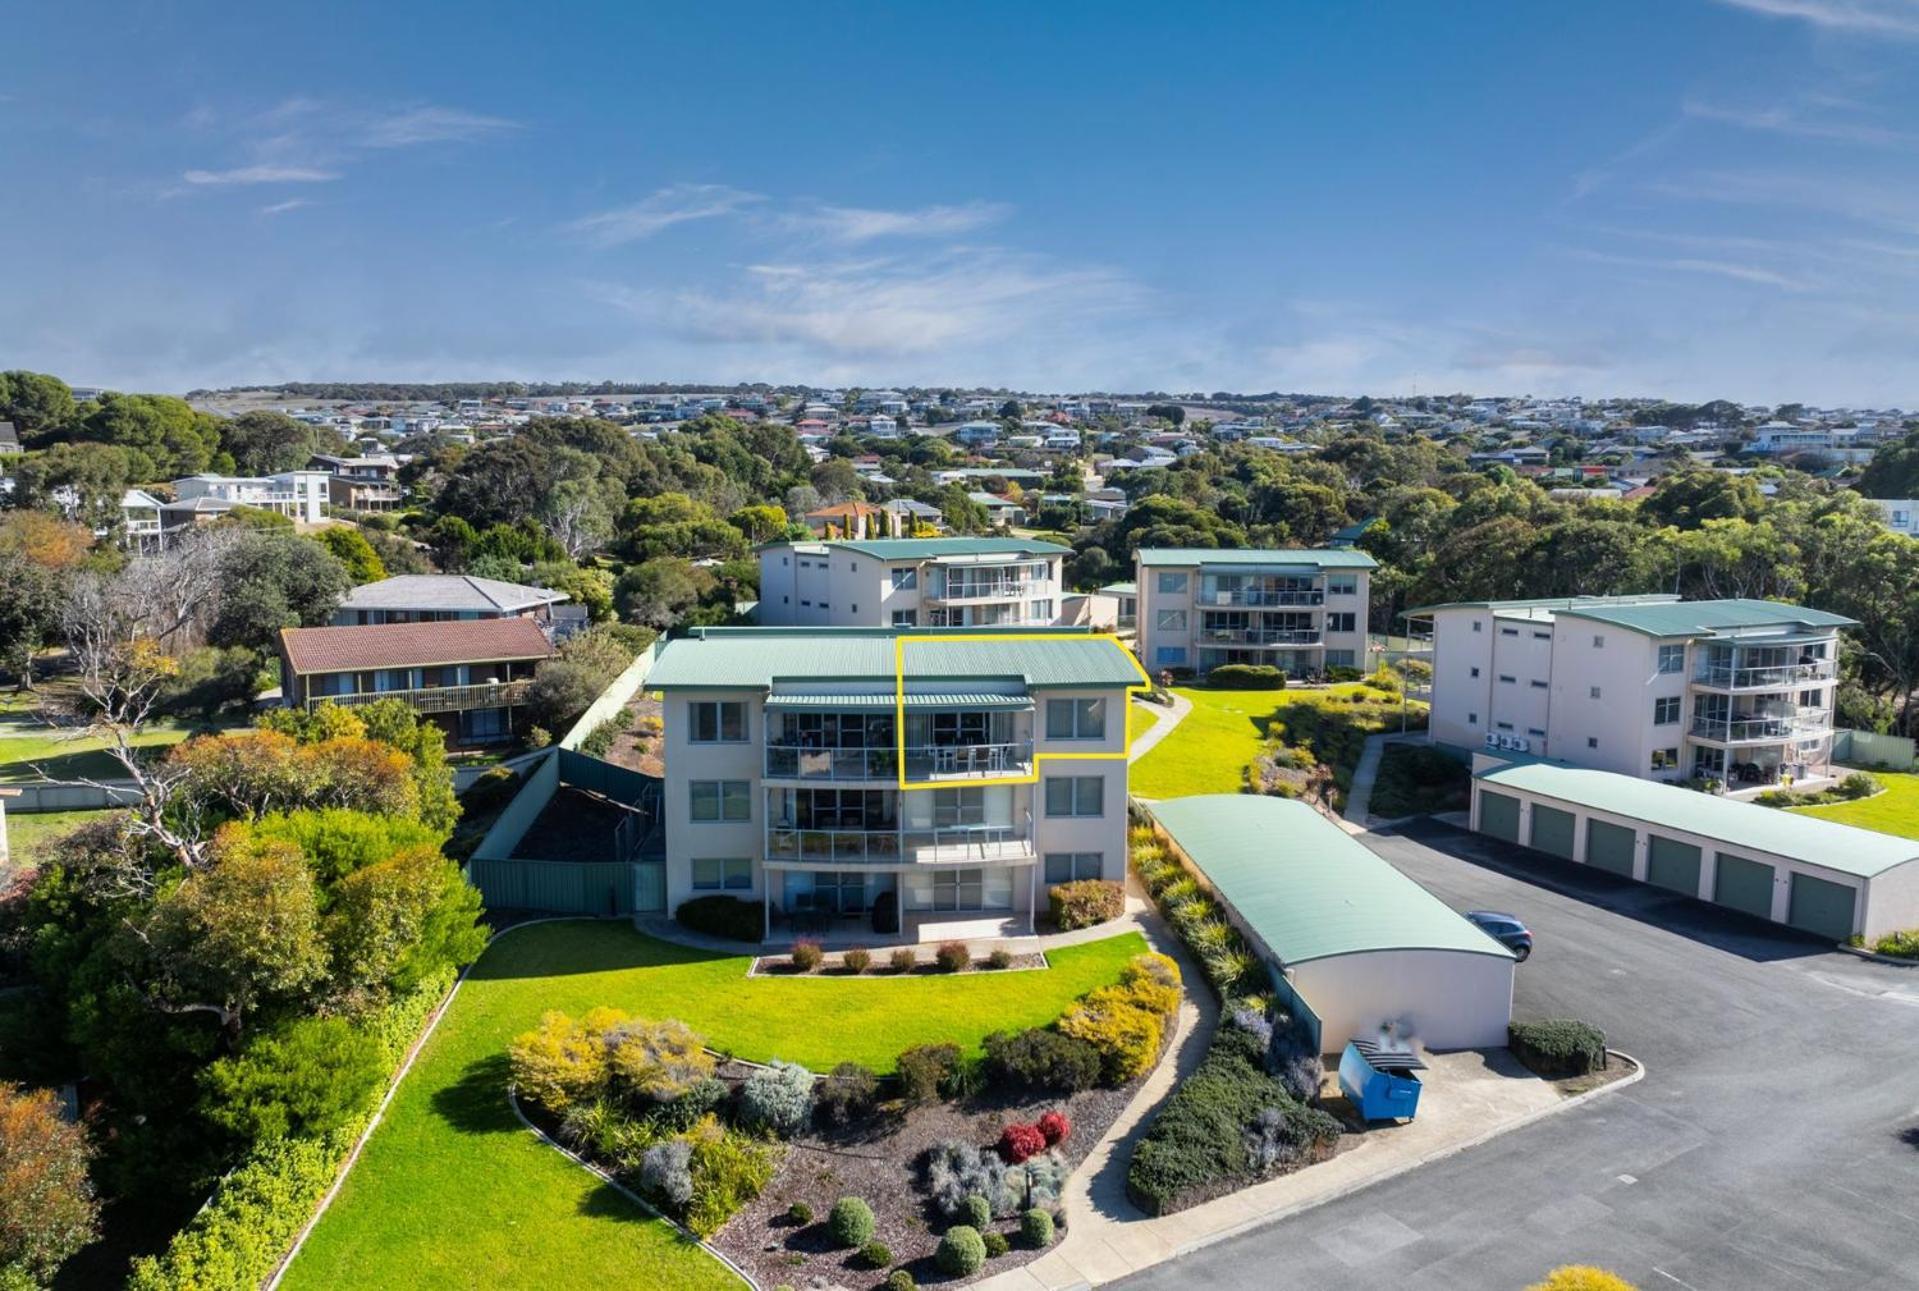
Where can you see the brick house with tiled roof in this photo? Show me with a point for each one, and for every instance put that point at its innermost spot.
(468, 676)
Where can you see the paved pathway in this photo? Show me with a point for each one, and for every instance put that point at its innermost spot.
(1359, 799)
(1168, 719)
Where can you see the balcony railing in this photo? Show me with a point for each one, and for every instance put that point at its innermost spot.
(1758, 728)
(1009, 589)
(1264, 596)
(923, 762)
(954, 845)
(1728, 677)
(437, 699)
(1259, 637)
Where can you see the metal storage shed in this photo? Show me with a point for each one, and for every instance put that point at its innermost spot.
(1357, 942)
(1815, 875)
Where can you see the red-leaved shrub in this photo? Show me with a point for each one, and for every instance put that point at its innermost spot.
(1017, 1142)
(1054, 1127)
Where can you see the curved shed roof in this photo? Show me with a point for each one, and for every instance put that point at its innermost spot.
(1307, 888)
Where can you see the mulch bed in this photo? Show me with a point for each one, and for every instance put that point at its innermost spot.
(634, 749)
(878, 1159)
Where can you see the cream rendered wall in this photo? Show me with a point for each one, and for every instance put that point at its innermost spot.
(1106, 834)
(1523, 650)
(686, 762)
(1892, 903)
(1445, 999)
(1151, 601)
(1626, 671)
(1356, 605)
(1457, 694)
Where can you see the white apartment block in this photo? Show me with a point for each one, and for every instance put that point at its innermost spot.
(912, 582)
(299, 495)
(1901, 514)
(1648, 686)
(1301, 611)
(787, 751)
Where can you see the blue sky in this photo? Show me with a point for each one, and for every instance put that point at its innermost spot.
(1687, 198)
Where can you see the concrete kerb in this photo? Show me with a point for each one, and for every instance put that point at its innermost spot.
(612, 1181)
(379, 1113)
(1861, 952)
(1637, 1074)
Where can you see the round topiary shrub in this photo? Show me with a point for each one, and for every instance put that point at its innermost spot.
(877, 1255)
(900, 1280)
(953, 957)
(1001, 959)
(800, 1213)
(1017, 1142)
(961, 1253)
(807, 956)
(996, 1244)
(976, 1212)
(1054, 1127)
(1036, 1228)
(905, 959)
(851, 1222)
(857, 960)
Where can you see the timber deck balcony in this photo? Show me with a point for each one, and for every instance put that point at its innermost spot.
(437, 699)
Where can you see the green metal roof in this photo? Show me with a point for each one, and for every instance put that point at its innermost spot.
(1120, 589)
(756, 658)
(927, 548)
(1742, 826)
(1548, 603)
(1306, 887)
(1334, 558)
(975, 701)
(1704, 618)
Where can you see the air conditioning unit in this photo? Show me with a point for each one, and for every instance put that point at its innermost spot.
(1494, 741)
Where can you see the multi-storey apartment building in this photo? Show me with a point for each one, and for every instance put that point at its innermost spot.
(1303, 611)
(911, 582)
(860, 779)
(301, 496)
(1651, 686)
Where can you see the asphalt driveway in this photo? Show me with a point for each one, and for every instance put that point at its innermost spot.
(1773, 1143)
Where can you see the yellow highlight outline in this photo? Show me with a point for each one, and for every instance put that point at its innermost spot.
(899, 704)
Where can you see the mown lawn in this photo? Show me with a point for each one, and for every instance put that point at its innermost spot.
(28, 834)
(1210, 751)
(1896, 811)
(452, 1192)
(74, 755)
(1141, 719)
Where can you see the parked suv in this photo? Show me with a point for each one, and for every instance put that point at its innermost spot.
(1506, 929)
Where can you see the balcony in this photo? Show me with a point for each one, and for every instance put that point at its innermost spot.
(948, 845)
(1715, 676)
(1757, 728)
(923, 762)
(1259, 636)
(999, 589)
(1257, 596)
(436, 699)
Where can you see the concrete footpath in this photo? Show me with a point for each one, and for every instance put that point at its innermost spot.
(1470, 1097)
(1169, 717)
(1359, 799)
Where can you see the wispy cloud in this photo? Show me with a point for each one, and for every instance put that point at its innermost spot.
(676, 204)
(1871, 17)
(281, 208)
(260, 175)
(409, 127)
(1739, 271)
(852, 224)
(1782, 119)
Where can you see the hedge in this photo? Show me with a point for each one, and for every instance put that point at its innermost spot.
(1247, 676)
(256, 1211)
(1558, 1047)
(722, 916)
(1085, 902)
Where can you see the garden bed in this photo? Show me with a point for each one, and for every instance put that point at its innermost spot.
(880, 1159)
(833, 965)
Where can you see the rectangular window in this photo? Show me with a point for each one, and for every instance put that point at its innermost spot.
(1592, 741)
(1075, 719)
(1595, 692)
(906, 580)
(1538, 685)
(718, 800)
(712, 873)
(1475, 670)
(1479, 625)
(1535, 730)
(1341, 621)
(1672, 658)
(1542, 636)
(1665, 759)
(1599, 643)
(1504, 680)
(717, 722)
(1342, 585)
(1339, 659)
(1071, 795)
(1042, 611)
(1665, 711)
(1170, 656)
(905, 618)
(1509, 632)
(1504, 726)
(1171, 620)
(1066, 867)
(1472, 719)
(1172, 584)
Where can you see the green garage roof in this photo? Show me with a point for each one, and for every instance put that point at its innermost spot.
(1306, 887)
(1334, 558)
(756, 658)
(1743, 826)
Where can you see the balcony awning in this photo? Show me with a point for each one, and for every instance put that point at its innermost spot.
(971, 700)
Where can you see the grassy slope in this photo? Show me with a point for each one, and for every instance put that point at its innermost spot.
(451, 1192)
(1210, 751)
(1142, 718)
(70, 756)
(27, 834)
(1896, 811)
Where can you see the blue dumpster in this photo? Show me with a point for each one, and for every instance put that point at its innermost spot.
(1382, 1084)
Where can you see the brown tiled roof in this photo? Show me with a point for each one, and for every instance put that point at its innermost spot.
(412, 645)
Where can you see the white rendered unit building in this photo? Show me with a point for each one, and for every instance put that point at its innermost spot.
(911, 582)
(1300, 611)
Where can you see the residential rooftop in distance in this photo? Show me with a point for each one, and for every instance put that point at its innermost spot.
(449, 592)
